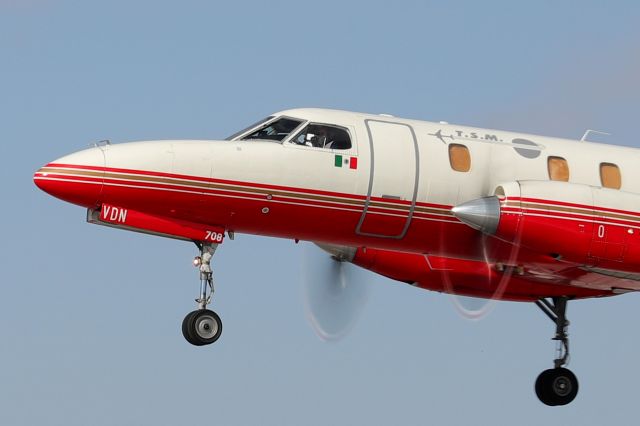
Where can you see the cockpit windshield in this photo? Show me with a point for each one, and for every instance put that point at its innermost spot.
(276, 130)
(246, 129)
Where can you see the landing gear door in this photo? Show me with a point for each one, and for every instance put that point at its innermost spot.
(393, 180)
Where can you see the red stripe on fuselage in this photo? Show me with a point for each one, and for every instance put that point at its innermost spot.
(246, 184)
(580, 206)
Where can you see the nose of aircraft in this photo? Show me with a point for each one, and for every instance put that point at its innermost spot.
(76, 178)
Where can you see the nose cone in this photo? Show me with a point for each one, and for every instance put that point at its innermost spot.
(76, 178)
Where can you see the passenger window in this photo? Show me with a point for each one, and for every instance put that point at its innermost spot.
(610, 176)
(275, 131)
(459, 157)
(323, 136)
(558, 169)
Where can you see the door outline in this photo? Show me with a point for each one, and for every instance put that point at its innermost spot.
(372, 175)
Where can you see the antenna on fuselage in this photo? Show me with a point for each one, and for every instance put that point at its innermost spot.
(589, 131)
(98, 144)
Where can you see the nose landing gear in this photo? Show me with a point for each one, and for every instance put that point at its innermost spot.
(558, 385)
(203, 326)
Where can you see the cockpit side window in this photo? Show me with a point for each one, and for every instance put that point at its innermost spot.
(323, 136)
(276, 130)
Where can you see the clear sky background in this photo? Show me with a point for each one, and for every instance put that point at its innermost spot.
(90, 317)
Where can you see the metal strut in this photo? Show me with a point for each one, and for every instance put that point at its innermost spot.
(556, 310)
(203, 262)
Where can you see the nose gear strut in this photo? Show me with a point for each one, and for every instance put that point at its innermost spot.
(203, 262)
(203, 326)
(557, 386)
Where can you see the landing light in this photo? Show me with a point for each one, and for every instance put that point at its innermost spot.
(197, 261)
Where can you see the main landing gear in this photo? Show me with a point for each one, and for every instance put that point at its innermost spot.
(203, 326)
(558, 385)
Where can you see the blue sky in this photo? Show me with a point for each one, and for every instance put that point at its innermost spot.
(90, 317)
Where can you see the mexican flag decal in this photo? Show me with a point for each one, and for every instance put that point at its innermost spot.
(351, 162)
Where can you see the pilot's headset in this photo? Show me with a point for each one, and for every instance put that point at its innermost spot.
(313, 138)
(320, 138)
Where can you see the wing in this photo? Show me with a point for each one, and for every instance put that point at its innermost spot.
(536, 278)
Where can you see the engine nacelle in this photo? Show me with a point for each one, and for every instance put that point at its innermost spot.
(578, 223)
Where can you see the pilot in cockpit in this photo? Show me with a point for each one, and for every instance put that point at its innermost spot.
(318, 137)
(321, 136)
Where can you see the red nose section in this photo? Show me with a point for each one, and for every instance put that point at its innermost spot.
(76, 178)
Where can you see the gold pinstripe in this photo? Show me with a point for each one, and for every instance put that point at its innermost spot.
(228, 187)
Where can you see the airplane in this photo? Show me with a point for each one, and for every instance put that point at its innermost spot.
(461, 210)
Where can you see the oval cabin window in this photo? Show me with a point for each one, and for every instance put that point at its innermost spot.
(610, 176)
(459, 157)
(558, 169)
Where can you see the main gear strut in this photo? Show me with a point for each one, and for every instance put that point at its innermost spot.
(557, 386)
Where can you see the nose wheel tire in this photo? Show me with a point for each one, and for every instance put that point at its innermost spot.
(556, 386)
(201, 327)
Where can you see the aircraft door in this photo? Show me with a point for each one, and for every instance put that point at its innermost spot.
(393, 180)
